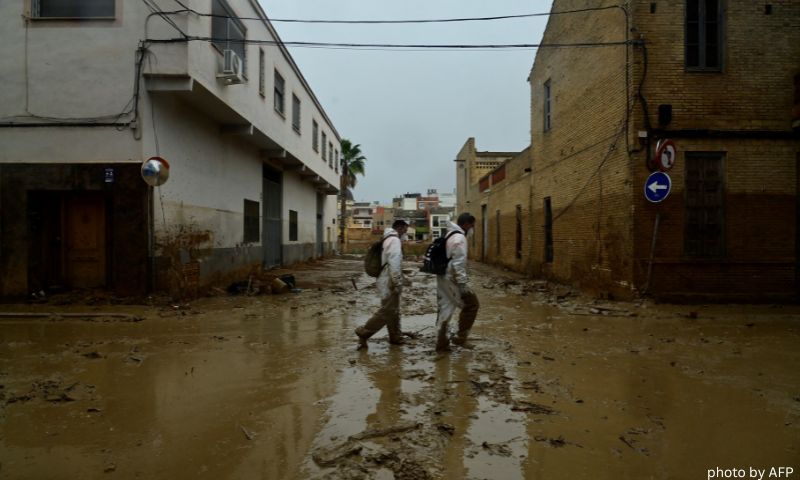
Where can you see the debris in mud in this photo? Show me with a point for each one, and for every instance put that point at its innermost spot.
(412, 374)
(446, 428)
(532, 385)
(382, 432)
(535, 408)
(500, 449)
(553, 442)
(631, 443)
(330, 456)
(92, 355)
(247, 433)
(109, 468)
(52, 391)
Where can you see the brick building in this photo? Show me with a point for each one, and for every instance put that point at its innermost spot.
(495, 187)
(719, 79)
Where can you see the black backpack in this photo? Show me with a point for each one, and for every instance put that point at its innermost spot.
(435, 260)
(372, 261)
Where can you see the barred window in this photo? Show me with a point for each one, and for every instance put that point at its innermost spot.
(704, 219)
(295, 113)
(280, 86)
(703, 38)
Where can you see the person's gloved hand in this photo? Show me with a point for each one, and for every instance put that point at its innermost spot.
(464, 290)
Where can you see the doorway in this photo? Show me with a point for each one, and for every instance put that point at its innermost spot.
(69, 234)
(484, 233)
(320, 226)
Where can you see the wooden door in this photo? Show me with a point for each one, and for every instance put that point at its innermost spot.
(85, 240)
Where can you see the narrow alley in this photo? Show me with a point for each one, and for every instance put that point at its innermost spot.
(555, 386)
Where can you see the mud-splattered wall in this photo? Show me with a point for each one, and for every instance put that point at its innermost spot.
(124, 203)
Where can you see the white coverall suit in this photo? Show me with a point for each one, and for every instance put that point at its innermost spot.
(453, 291)
(390, 285)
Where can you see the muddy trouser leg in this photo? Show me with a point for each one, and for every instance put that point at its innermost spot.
(388, 314)
(446, 307)
(469, 310)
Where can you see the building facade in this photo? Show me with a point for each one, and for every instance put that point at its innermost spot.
(683, 71)
(93, 89)
(495, 187)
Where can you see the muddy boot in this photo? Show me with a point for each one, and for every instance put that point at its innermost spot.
(460, 339)
(396, 341)
(362, 338)
(442, 342)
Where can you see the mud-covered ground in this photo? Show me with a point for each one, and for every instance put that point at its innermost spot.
(555, 386)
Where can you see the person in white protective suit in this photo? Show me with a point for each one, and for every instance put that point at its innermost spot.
(390, 284)
(453, 290)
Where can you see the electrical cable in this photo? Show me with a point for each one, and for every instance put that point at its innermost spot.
(393, 46)
(383, 22)
(611, 149)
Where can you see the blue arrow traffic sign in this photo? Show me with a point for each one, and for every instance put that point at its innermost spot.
(657, 187)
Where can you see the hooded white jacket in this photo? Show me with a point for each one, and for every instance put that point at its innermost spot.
(391, 276)
(457, 253)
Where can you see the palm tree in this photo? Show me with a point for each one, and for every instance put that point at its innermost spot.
(352, 165)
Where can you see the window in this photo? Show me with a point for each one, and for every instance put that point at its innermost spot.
(518, 242)
(703, 37)
(73, 9)
(548, 230)
(315, 135)
(251, 222)
(330, 154)
(261, 72)
(548, 106)
(336, 161)
(280, 86)
(324, 152)
(704, 219)
(435, 220)
(295, 113)
(292, 226)
(228, 33)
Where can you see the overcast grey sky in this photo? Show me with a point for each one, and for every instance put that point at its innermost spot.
(412, 111)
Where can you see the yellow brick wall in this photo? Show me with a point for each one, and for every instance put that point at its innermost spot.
(581, 163)
(503, 197)
(753, 92)
(603, 226)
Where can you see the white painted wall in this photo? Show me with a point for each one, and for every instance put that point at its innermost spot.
(210, 175)
(85, 71)
(301, 197)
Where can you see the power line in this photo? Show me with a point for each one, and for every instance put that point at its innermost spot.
(379, 22)
(392, 46)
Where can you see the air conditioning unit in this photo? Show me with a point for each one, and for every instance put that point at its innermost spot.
(231, 72)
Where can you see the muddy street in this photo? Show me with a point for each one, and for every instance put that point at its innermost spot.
(554, 386)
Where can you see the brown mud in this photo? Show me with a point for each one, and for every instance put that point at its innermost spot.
(554, 386)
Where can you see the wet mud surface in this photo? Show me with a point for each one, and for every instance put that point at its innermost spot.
(272, 386)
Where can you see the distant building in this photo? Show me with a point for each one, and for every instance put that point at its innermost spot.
(406, 202)
(495, 187)
(361, 216)
(438, 220)
(447, 199)
(382, 217)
